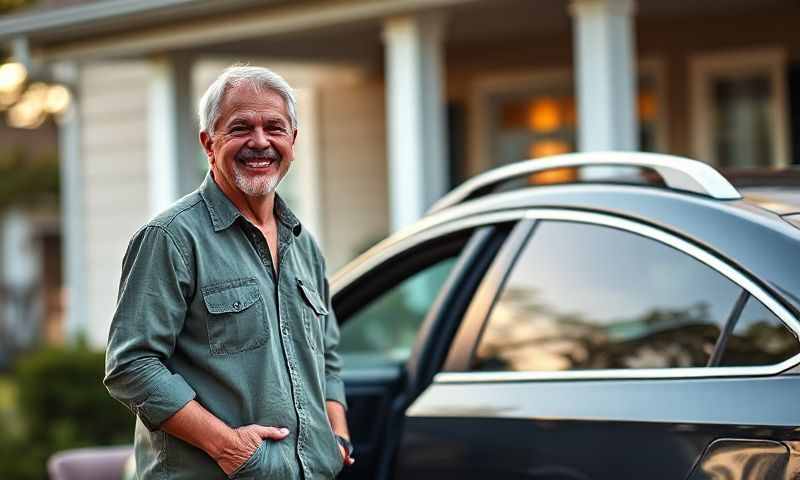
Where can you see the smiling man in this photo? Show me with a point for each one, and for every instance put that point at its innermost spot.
(224, 341)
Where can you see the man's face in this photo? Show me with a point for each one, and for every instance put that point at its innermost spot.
(253, 142)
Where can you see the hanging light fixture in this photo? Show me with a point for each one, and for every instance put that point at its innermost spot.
(29, 107)
(12, 80)
(29, 111)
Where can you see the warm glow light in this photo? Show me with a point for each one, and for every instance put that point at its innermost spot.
(7, 99)
(30, 111)
(647, 106)
(12, 76)
(544, 115)
(545, 148)
(58, 99)
(26, 115)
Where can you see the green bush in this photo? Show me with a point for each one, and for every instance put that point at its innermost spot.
(63, 404)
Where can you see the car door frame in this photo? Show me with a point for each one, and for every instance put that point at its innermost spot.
(487, 234)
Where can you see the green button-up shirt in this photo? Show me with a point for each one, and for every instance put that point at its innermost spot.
(202, 315)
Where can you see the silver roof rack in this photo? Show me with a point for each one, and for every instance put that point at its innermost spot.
(679, 173)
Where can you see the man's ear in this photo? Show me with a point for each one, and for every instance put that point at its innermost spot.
(207, 143)
(294, 136)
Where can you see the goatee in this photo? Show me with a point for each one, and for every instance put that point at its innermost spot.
(260, 185)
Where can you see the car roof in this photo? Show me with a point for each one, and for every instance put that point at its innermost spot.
(777, 190)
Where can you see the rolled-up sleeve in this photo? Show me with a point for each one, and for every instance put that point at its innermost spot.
(334, 386)
(153, 296)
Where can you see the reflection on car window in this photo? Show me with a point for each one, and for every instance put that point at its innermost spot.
(758, 338)
(383, 333)
(585, 296)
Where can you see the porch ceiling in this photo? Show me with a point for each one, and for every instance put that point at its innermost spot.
(326, 30)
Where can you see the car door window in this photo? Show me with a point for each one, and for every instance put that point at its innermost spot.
(583, 296)
(383, 331)
(758, 338)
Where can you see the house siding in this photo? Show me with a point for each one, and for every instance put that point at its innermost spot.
(354, 170)
(114, 143)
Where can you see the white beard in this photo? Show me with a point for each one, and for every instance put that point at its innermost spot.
(255, 186)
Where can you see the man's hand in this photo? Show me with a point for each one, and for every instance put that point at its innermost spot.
(229, 447)
(243, 443)
(346, 459)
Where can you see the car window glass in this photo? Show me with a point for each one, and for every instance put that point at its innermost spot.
(384, 331)
(584, 296)
(758, 338)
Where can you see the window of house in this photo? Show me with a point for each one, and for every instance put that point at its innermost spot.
(535, 119)
(383, 332)
(739, 108)
(583, 296)
(758, 338)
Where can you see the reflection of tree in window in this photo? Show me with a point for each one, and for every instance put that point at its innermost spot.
(383, 332)
(527, 336)
(592, 297)
(759, 338)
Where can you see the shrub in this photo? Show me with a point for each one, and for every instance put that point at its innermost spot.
(63, 405)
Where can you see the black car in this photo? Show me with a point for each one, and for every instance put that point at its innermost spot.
(636, 319)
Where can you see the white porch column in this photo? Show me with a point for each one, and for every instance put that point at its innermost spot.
(606, 74)
(417, 147)
(73, 211)
(172, 137)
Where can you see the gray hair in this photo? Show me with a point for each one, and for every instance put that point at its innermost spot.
(263, 79)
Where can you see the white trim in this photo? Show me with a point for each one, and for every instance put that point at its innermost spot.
(605, 74)
(249, 23)
(73, 208)
(163, 133)
(681, 245)
(702, 67)
(415, 115)
(307, 170)
(484, 86)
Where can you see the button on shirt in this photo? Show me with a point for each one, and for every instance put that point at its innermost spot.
(202, 314)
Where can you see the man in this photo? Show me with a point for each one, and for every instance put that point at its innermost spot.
(224, 342)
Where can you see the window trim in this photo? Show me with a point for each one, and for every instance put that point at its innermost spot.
(671, 240)
(479, 123)
(732, 64)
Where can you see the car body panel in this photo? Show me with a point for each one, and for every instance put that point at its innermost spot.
(589, 429)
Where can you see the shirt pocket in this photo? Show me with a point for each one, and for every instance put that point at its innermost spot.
(236, 319)
(314, 313)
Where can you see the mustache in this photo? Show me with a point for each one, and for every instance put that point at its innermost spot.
(268, 154)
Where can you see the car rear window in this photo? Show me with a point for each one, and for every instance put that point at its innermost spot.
(583, 296)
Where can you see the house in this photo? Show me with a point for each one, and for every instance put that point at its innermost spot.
(399, 100)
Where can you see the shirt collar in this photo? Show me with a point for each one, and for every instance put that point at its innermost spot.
(223, 212)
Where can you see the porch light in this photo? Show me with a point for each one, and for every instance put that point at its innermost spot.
(29, 107)
(58, 99)
(29, 111)
(545, 148)
(545, 115)
(12, 79)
